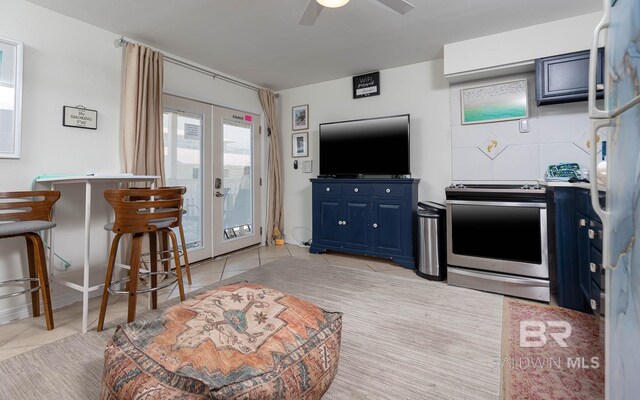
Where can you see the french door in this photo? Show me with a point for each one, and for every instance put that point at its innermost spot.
(236, 173)
(213, 152)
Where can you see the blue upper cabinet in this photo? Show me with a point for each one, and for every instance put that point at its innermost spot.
(375, 217)
(564, 78)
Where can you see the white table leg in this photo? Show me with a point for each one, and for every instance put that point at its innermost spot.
(52, 253)
(87, 244)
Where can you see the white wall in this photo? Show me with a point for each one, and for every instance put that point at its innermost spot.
(558, 133)
(68, 62)
(418, 89)
(521, 45)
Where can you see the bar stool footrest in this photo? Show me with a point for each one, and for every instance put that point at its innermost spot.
(14, 281)
(166, 283)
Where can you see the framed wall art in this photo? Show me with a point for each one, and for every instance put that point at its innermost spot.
(300, 117)
(366, 85)
(300, 144)
(10, 98)
(497, 102)
(79, 117)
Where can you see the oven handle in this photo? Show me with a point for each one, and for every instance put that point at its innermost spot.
(498, 203)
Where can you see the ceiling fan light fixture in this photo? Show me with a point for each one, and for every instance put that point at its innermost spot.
(332, 3)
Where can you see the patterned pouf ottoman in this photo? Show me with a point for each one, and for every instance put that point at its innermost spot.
(242, 341)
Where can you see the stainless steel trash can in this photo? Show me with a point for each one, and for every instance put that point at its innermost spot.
(432, 248)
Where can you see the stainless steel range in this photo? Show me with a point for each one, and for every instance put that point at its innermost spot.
(497, 239)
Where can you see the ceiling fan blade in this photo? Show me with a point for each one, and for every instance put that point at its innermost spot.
(400, 6)
(311, 13)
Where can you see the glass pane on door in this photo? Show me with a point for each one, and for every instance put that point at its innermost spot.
(238, 180)
(183, 167)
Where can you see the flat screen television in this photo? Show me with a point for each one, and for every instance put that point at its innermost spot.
(375, 146)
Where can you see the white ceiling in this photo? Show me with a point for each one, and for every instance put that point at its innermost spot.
(260, 41)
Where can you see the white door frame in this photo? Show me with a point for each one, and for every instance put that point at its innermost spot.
(187, 106)
(222, 115)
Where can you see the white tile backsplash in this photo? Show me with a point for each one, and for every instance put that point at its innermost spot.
(557, 133)
(469, 163)
(515, 163)
(555, 153)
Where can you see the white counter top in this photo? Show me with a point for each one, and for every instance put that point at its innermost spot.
(581, 185)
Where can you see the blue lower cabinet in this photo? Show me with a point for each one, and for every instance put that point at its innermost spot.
(356, 224)
(327, 215)
(577, 249)
(375, 217)
(583, 254)
(387, 224)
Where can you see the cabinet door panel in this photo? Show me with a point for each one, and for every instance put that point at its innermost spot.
(357, 217)
(564, 78)
(329, 213)
(387, 226)
(583, 256)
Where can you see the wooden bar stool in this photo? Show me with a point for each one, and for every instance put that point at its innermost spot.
(165, 253)
(28, 213)
(139, 212)
(165, 242)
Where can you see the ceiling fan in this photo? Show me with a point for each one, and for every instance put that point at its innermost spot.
(314, 8)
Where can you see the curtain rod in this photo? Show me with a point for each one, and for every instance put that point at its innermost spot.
(121, 42)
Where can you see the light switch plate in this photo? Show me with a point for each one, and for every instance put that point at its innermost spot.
(307, 167)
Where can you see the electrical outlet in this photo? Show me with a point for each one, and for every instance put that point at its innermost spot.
(524, 125)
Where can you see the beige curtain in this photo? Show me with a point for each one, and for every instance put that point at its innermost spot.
(275, 216)
(142, 139)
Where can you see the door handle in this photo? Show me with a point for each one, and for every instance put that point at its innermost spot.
(218, 194)
(375, 225)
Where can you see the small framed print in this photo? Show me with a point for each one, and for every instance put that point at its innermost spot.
(300, 117)
(300, 144)
(79, 117)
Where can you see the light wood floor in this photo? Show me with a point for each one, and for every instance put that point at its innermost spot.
(23, 335)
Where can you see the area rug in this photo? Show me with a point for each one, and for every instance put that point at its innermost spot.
(550, 353)
(402, 338)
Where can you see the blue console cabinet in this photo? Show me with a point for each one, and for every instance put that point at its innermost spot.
(374, 217)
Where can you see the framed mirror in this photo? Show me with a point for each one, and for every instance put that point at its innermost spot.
(10, 98)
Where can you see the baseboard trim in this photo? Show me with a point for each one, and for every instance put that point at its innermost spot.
(24, 311)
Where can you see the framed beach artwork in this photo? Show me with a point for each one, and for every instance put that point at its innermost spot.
(300, 117)
(300, 144)
(498, 102)
(10, 98)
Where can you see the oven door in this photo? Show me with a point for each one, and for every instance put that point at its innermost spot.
(505, 237)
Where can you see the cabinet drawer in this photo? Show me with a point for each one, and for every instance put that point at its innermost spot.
(355, 189)
(595, 266)
(389, 190)
(596, 298)
(329, 189)
(595, 234)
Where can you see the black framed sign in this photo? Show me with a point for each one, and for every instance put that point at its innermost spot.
(79, 117)
(366, 85)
